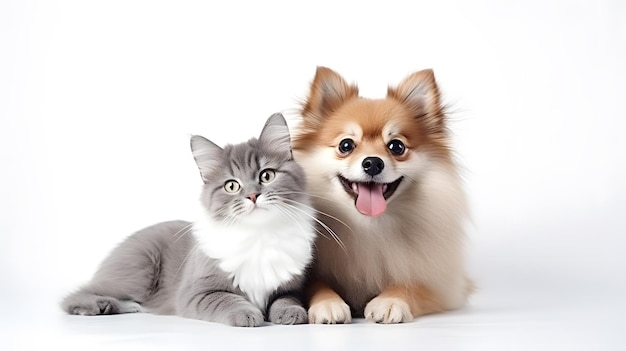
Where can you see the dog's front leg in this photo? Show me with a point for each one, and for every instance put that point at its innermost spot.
(326, 306)
(400, 303)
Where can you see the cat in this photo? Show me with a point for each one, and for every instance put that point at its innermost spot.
(243, 262)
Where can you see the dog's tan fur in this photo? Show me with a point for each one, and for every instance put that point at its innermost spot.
(409, 260)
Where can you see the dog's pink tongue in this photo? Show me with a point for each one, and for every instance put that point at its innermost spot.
(370, 200)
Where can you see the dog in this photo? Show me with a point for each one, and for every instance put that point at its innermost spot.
(389, 198)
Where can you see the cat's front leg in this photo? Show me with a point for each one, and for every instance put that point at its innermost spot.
(220, 306)
(287, 310)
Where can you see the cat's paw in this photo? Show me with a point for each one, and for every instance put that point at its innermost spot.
(129, 307)
(288, 315)
(246, 317)
(388, 310)
(92, 308)
(330, 311)
(92, 305)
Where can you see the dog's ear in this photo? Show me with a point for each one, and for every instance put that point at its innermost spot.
(419, 92)
(328, 91)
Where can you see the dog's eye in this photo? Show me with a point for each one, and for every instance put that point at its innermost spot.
(346, 146)
(396, 147)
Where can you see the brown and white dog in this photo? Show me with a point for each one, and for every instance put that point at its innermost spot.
(386, 186)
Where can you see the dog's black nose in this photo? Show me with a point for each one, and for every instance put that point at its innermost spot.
(373, 165)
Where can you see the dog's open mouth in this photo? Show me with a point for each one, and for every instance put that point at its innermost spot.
(370, 198)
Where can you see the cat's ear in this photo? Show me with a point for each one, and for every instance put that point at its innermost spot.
(206, 154)
(275, 135)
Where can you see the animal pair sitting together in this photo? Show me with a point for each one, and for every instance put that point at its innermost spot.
(359, 214)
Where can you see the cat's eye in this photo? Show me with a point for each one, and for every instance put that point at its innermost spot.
(346, 146)
(396, 147)
(267, 176)
(232, 186)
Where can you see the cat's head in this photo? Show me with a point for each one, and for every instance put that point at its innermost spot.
(250, 181)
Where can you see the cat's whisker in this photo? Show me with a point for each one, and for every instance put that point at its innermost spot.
(189, 254)
(229, 219)
(327, 199)
(237, 211)
(332, 233)
(295, 216)
(222, 214)
(320, 212)
(314, 227)
(305, 193)
(322, 224)
(182, 232)
(228, 215)
(291, 215)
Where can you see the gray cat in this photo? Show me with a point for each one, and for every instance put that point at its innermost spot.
(241, 263)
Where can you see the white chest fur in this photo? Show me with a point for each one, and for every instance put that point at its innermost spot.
(259, 255)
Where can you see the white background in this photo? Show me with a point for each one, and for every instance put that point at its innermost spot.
(98, 99)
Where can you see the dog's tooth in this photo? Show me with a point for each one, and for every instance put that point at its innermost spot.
(384, 187)
(355, 188)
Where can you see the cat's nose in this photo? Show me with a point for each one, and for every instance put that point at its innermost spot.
(253, 197)
(373, 165)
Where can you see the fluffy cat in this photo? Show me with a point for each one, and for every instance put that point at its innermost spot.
(240, 264)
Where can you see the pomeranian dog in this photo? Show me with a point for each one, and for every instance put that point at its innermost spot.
(388, 192)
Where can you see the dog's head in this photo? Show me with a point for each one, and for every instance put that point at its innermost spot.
(370, 150)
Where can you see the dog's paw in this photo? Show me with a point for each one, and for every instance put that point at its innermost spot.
(334, 311)
(388, 310)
